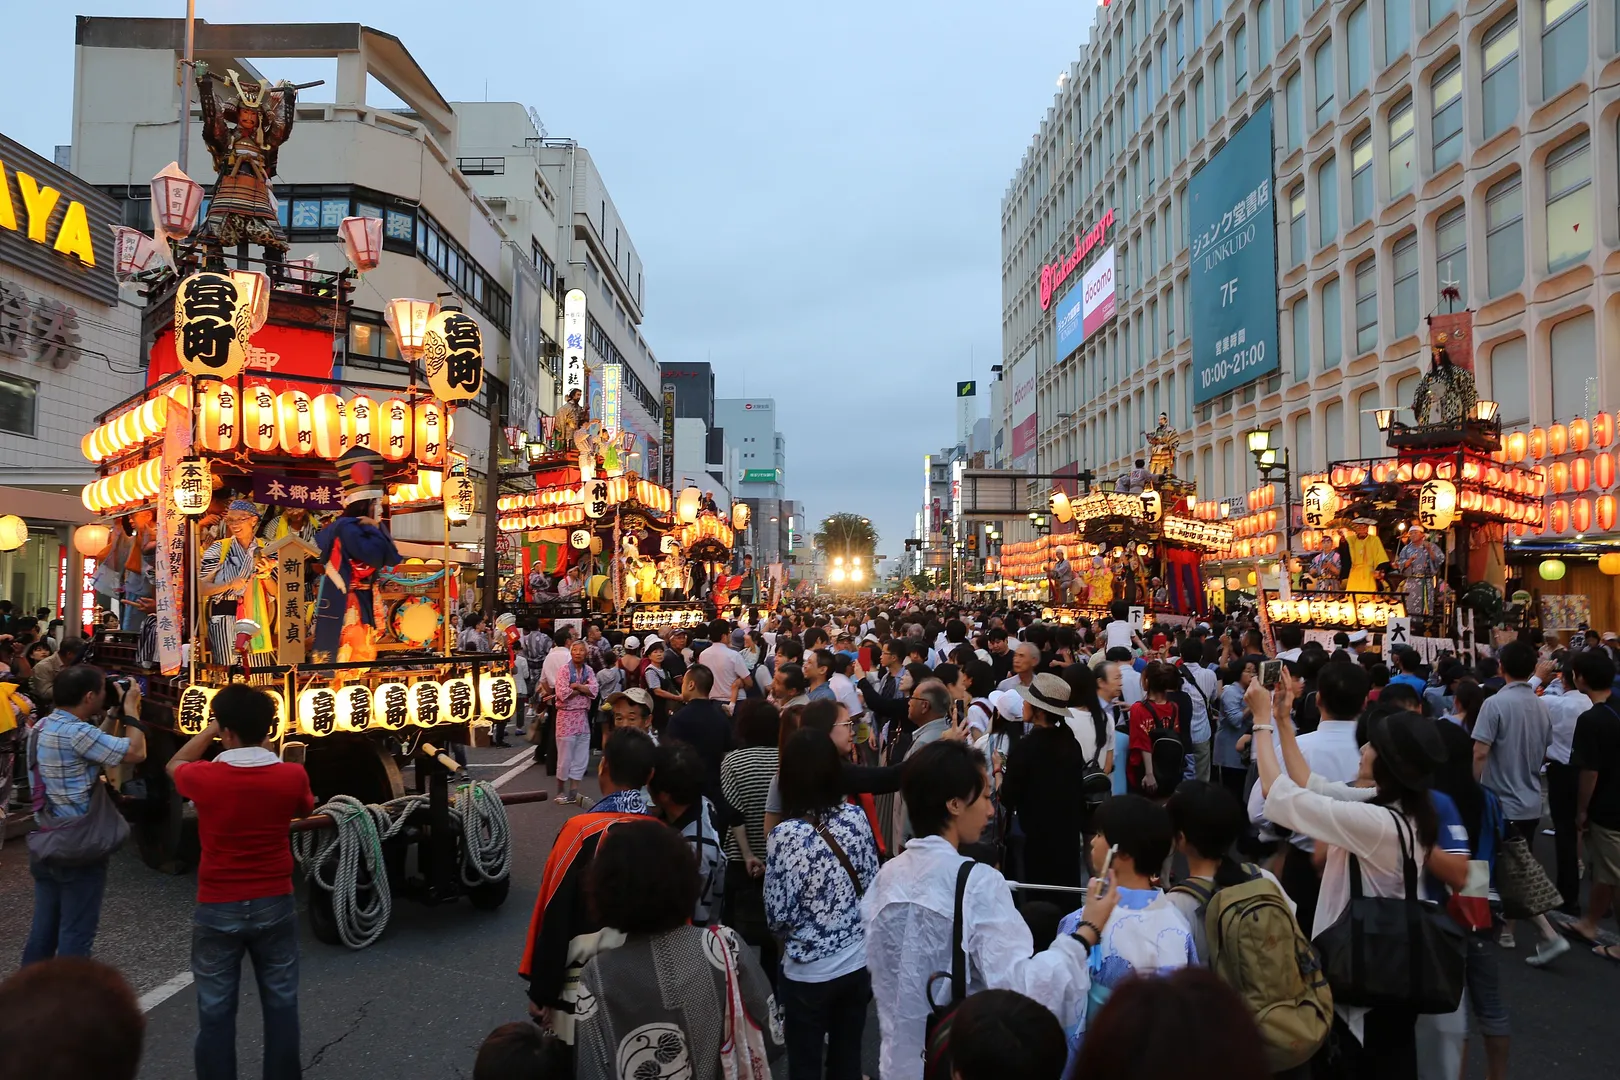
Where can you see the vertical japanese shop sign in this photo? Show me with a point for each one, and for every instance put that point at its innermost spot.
(1233, 221)
(667, 457)
(574, 343)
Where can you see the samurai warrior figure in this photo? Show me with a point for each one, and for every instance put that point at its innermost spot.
(243, 137)
(1164, 441)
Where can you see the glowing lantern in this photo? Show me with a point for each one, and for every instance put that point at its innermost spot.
(209, 340)
(1603, 469)
(354, 707)
(295, 423)
(394, 430)
(1437, 505)
(317, 711)
(1605, 512)
(1557, 440)
(1609, 563)
(430, 433)
(1580, 473)
(1320, 505)
(1558, 519)
(1517, 445)
(426, 704)
(497, 696)
(220, 417)
(453, 356)
(13, 532)
(408, 319)
(460, 704)
(687, 506)
(360, 422)
(282, 728)
(740, 512)
(1580, 514)
(391, 705)
(91, 540)
(328, 424)
(191, 715)
(1552, 570)
(362, 241)
(191, 486)
(1578, 432)
(1602, 430)
(1538, 443)
(459, 499)
(1558, 477)
(259, 418)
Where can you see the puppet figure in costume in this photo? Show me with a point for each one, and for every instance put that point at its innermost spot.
(236, 582)
(1420, 562)
(1101, 579)
(1367, 554)
(352, 549)
(1327, 568)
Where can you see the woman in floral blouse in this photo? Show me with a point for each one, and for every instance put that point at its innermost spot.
(820, 861)
(575, 691)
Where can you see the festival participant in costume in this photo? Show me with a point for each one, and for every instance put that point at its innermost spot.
(1367, 554)
(236, 583)
(1101, 582)
(1327, 568)
(1420, 562)
(352, 549)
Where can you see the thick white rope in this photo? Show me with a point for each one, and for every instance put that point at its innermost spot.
(333, 857)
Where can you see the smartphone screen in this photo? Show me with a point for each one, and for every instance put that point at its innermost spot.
(1270, 673)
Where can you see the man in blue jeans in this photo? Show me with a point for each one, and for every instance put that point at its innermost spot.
(244, 798)
(72, 750)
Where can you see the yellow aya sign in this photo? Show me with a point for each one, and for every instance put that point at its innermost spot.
(32, 212)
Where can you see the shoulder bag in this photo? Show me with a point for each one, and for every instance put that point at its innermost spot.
(1396, 951)
(937, 1040)
(843, 860)
(73, 840)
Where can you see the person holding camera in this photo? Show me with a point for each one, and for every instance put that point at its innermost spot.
(67, 751)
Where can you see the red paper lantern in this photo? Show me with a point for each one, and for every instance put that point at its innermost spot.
(1558, 520)
(1557, 440)
(1605, 512)
(1602, 430)
(1558, 477)
(1603, 469)
(1580, 514)
(1580, 473)
(1538, 443)
(1578, 432)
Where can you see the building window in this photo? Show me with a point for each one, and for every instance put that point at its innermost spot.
(1372, 440)
(1181, 44)
(1332, 326)
(1181, 128)
(1294, 110)
(1500, 87)
(19, 406)
(1574, 367)
(1198, 106)
(1402, 147)
(1510, 381)
(1446, 87)
(1504, 236)
(1219, 74)
(1397, 29)
(1451, 250)
(1333, 430)
(1361, 177)
(1240, 58)
(1563, 45)
(1290, 19)
(1569, 203)
(1197, 23)
(1262, 32)
(1304, 444)
(1367, 305)
(1439, 9)
(1404, 255)
(1327, 202)
(1322, 73)
(1296, 223)
(1164, 67)
(1300, 323)
(1358, 51)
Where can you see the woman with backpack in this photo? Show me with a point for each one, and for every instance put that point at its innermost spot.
(1379, 841)
(1158, 745)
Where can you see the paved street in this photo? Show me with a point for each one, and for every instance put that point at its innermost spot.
(419, 1002)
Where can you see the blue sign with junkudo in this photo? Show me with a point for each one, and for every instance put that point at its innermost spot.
(1068, 314)
(1233, 220)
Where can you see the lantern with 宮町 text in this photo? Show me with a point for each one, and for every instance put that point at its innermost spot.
(219, 417)
(453, 356)
(430, 432)
(295, 426)
(328, 422)
(360, 422)
(259, 418)
(394, 430)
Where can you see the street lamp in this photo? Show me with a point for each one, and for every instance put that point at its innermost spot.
(1272, 464)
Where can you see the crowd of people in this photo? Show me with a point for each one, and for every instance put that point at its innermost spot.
(1033, 850)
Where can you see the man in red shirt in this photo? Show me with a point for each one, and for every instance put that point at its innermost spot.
(244, 798)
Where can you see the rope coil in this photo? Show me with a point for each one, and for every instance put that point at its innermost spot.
(347, 861)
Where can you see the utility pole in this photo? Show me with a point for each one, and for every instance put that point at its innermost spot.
(187, 70)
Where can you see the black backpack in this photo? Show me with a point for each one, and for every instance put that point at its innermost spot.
(1169, 754)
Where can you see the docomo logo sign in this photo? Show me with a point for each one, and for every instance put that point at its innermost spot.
(1053, 275)
(1097, 293)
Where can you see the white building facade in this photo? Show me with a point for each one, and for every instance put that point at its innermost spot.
(1416, 143)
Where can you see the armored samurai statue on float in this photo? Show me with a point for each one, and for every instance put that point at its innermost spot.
(243, 137)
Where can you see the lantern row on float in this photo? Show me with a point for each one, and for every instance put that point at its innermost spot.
(1248, 548)
(133, 485)
(547, 519)
(1336, 609)
(1190, 532)
(707, 528)
(429, 486)
(323, 426)
(147, 420)
(393, 705)
(560, 507)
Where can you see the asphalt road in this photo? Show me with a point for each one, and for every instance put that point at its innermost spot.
(419, 1002)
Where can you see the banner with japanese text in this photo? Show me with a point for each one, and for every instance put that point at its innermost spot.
(170, 562)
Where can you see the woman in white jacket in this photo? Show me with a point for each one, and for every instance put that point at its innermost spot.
(909, 915)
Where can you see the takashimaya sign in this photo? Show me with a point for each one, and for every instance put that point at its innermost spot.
(55, 226)
(1053, 275)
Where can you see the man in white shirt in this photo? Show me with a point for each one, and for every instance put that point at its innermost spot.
(1289, 640)
(1026, 661)
(1333, 754)
(724, 660)
(1202, 693)
(1565, 708)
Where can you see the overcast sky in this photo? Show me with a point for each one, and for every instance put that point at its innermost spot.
(815, 189)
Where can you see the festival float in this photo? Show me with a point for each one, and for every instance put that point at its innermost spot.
(269, 490)
(1137, 539)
